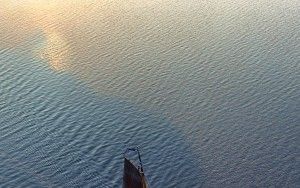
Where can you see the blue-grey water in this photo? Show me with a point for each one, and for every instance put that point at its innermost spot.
(208, 89)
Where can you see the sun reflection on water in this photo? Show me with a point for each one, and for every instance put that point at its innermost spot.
(55, 50)
(28, 17)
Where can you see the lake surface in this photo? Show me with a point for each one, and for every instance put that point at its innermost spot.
(209, 91)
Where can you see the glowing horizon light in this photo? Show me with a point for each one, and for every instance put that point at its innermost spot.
(34, 3)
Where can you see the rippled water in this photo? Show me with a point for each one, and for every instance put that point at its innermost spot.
(209, 91)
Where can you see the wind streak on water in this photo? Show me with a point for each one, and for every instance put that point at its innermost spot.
(219, 76)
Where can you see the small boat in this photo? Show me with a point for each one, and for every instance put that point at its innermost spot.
(133, 175)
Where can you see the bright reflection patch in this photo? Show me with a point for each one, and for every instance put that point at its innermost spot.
(55, 51)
